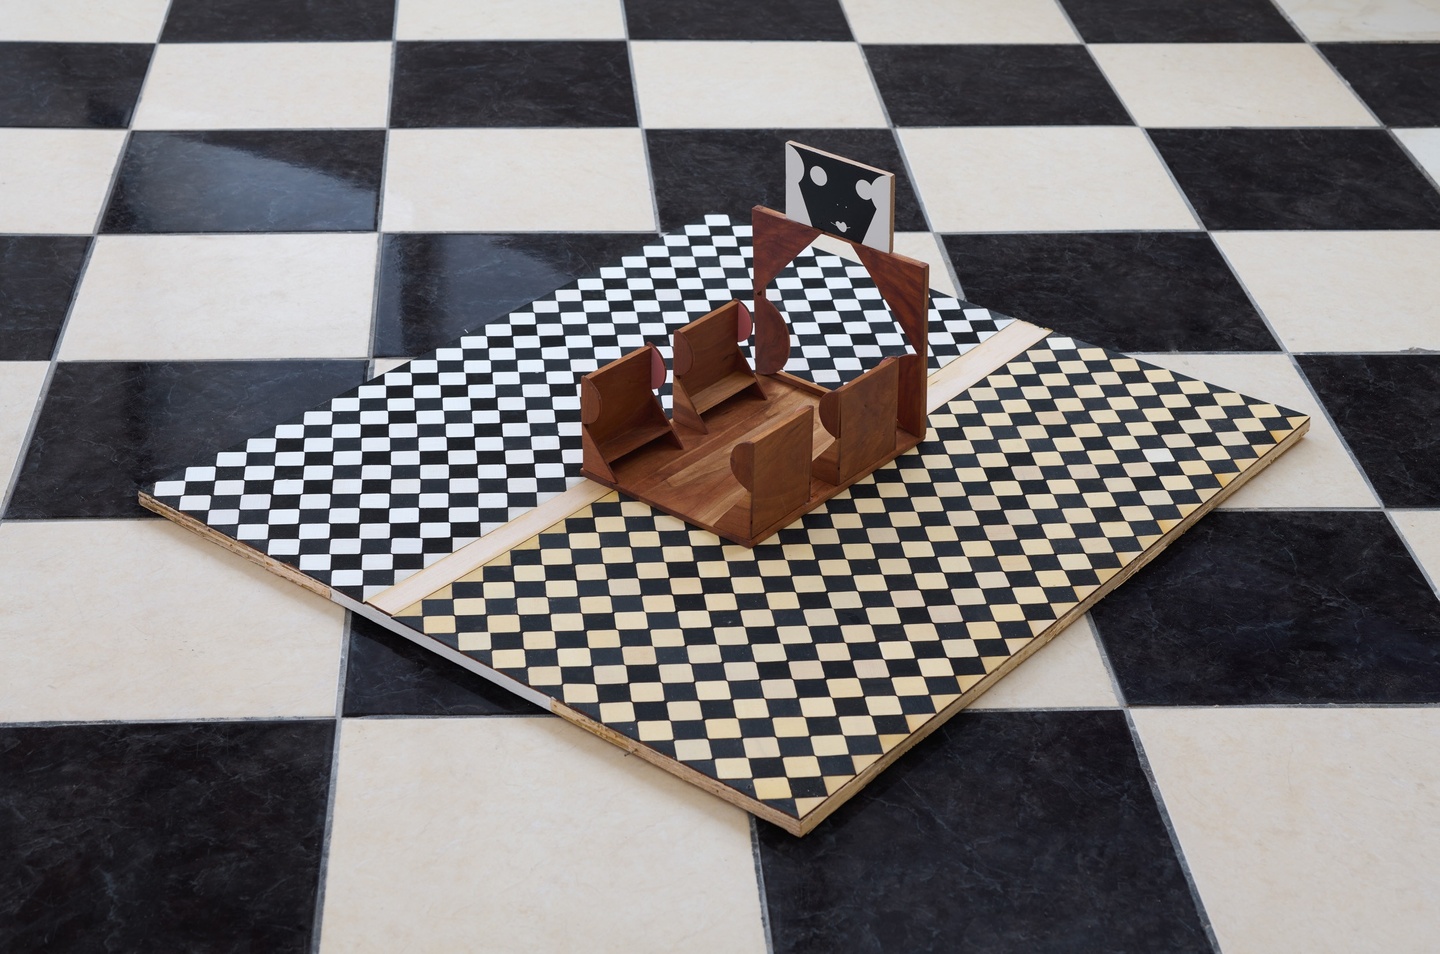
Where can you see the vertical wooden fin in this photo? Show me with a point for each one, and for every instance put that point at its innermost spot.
(710, 368)
(619, 412)
(775, 468)
(777, 240)
(904, 283)
(862, 416)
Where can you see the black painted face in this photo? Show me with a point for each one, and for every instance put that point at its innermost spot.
(837, 196)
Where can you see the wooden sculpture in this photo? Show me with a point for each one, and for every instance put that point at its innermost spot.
(751, 449)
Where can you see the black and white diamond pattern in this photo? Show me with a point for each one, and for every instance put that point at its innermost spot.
(407, 468)
(785, 670)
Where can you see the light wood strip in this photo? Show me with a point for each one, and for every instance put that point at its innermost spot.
(994, 352)
(475, 555)
(990, 355)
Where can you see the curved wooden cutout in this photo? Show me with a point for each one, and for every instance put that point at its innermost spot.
(776, 240)
(657, 370)
(744, 324)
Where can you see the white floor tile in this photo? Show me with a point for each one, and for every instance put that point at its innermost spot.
(1042, 178)
(1342, 291)
(1323, 20)
(701, 85)
(196, 297)
(20, 383)
(958, 21)
(517, 180)
(1316, 472)
(527, 834)
(1421, 529)
(82, 21)
(1424, 145)
(1306, 829)
(139, 619)
(1229, 84)
(1066, 672)
(266, 86)
(55, 180)
(509, 20)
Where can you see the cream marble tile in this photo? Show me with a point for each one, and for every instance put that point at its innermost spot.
(1042, 178)
(958, 21)
(1342, 291)
(517, 180)
(20, 383)
(532, 835)
(1229, 84)
(1316, 472)
(509, 20)
(266, 86)
(1421, 529)
(1424, 145)
(1066, 672)
(386, 365)
(923, 246)
(1323, 20)
(55, 180)
(703, 85)
(1306, 829)
(195, 297)
(139, 619)
(83, 21)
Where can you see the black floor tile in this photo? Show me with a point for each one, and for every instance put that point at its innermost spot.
(1388, 409)
(1399, 81)
(746, 167)
(1016, 831)
(1274, 607)
(188, 837)
(561, 83)
(90, 85)
(1179, 21)
(248, 181)
(435, 286)
(736, 20)
(1299, 179)
(234, 21)
(1130, 291)
(106, 428)
(980, 85)
(387, 674)
(38, 274)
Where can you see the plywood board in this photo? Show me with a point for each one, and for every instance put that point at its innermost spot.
(784, 677)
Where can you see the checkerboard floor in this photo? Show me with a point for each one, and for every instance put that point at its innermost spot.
(216, 214)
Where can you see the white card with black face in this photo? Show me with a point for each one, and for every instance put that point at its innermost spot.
(845, 198)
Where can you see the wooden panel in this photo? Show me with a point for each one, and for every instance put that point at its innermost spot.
(775, 468)
(862, 416)
(777, 240)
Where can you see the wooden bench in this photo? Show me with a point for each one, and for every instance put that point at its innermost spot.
(710, 368)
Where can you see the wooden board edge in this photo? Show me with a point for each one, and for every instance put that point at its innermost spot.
(990, 355)
(283, 570)
(479, 552)
(851, 788)
(679, 769)
(381, 618)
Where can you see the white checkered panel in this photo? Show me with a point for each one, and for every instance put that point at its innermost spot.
(386, 479)
(785, 670)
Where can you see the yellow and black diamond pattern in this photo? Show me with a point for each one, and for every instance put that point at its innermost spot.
(786, 670)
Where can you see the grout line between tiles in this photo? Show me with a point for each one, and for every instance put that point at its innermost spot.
(1169, 824)
(905, 162)
(760, 885)
(322, 875)
(640, 118)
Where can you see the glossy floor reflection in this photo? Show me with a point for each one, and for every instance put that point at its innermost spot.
(215, 214)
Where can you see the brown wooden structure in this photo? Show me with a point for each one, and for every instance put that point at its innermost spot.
(748, 449)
